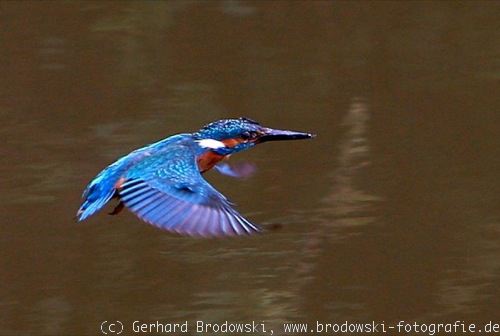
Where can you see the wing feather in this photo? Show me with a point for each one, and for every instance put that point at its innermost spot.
(169, 192)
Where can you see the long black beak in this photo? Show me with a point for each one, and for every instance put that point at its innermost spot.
(275, 134)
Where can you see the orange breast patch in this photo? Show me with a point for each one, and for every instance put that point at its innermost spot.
(207, 160)
(119, 183)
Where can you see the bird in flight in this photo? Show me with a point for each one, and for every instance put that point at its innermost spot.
(162, 183)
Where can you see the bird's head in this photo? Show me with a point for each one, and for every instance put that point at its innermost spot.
(229, 136)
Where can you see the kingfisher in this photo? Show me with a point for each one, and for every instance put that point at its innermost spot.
(162, 183)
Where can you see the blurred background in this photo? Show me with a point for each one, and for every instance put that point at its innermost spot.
(391, 213)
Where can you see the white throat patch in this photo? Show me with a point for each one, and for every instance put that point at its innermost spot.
(210, 143)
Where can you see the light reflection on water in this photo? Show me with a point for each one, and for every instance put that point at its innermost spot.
(390, 213)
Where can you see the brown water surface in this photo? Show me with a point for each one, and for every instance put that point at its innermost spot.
(392, 213)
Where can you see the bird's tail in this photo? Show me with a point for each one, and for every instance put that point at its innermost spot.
(103, 187)
(99, 191)
(92, 203)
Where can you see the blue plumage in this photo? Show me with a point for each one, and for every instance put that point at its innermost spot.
(162, 183)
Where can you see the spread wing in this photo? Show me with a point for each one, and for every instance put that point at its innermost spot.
(241, 170)
(168, 191)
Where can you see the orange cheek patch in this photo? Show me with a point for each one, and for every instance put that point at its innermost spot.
(232, 142)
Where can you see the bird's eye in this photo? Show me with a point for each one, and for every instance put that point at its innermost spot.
(249, 135)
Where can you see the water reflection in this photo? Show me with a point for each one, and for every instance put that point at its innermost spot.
(346, 206)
